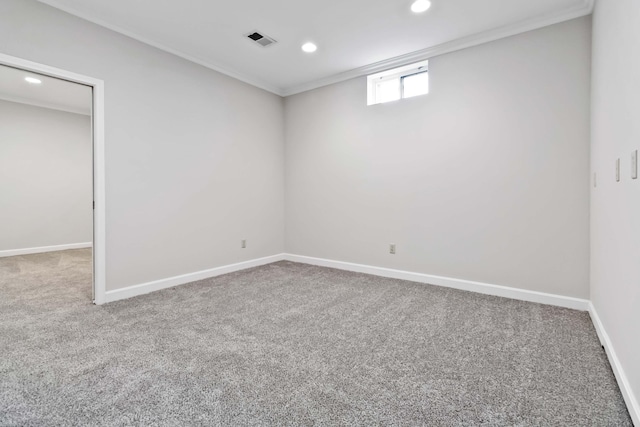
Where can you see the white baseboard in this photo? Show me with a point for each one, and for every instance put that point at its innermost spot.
(42, 249)
(465, 285)
(156, 285)
(630, 399)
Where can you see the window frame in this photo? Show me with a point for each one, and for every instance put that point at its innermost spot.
(395, 73)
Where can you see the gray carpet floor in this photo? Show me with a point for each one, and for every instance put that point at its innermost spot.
(291, 344)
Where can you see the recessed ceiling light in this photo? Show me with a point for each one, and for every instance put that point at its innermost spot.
(420, 6)
(309, 47)
(33, 80)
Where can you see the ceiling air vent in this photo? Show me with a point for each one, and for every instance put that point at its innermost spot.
(261, 39)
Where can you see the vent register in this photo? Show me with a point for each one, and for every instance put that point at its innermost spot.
(261, 39)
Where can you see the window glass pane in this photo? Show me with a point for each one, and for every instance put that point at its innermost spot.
(388, 90)
(415, 84)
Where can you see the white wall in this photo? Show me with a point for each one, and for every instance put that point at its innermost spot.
(485, 179)
(615, 206)
(194, 159)
(45, 177)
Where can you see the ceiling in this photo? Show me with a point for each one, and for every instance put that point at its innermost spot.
(353, 36)
(52, 93)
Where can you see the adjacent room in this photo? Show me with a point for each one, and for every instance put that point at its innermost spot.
(46, 185)
(407, 212)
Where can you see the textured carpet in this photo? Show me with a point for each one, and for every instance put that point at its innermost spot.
(291, 344)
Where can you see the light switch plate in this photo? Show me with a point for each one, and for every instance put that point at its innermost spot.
(634, 165)
(618, 170)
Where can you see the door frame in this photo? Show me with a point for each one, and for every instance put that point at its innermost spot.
(97, 117)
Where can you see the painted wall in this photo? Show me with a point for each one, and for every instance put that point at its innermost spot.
(194, 159)
(45, 177)
(615, 206)
(484, 179)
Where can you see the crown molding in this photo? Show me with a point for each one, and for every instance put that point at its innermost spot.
(163, 47)
(47, 105)
(583, 9)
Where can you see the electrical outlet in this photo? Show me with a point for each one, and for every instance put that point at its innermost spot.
(634, 165)
(392, 249)
(618, 170)
(243, 244)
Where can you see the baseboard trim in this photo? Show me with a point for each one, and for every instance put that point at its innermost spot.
(43, 249)
(633, 406)
(156, 285)
(465, 285)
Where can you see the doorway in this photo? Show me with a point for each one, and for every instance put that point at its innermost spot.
(54, 152)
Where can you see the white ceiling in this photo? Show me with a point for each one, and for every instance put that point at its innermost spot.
(353, 36)
(52, 93)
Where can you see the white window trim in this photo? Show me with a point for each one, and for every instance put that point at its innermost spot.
(395, 73)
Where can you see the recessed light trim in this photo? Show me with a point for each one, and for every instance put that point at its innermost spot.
(33, 80)
(420, 6)
(309, 47)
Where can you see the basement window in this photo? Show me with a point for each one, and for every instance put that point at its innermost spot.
(399, 83)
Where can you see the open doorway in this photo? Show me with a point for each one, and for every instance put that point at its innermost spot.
(46, 183)
(51, 181)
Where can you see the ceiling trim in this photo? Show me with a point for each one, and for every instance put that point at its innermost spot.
(47, 105)
(163, 47)
(584, 9)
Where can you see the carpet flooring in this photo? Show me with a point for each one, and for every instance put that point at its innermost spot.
(291, 344)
